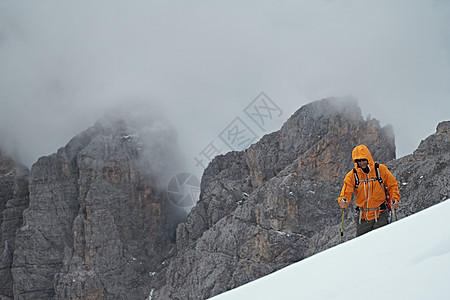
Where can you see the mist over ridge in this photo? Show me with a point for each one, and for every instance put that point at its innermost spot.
(64, 65)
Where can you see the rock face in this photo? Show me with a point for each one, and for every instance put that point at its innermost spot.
(93, 220)
(98, 222)
(13, 201)
(424, 176)
(259, 209)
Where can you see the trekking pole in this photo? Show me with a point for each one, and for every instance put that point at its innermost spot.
(342, 226)
(395, 213)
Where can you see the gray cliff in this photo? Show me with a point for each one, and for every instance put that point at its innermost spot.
(98, 221)
(275, 203)
(260, 209)
(93, 221)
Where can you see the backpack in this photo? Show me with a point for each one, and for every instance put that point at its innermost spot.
(378, 178)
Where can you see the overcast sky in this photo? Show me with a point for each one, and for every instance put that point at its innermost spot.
(65, 63)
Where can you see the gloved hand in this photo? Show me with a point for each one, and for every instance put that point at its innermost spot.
(394, 204)
(343, 203)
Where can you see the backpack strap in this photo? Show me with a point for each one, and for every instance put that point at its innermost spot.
(377, 170)
(356, 179)
(388, 202)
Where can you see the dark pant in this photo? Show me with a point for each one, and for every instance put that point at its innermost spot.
(367, 226)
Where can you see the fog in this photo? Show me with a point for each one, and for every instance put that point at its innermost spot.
(204, 64)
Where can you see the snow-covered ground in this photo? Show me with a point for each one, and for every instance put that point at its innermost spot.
(408, 259)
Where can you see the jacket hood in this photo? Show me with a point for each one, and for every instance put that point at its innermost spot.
(362, 152)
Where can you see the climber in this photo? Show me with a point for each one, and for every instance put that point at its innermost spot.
(374, 188)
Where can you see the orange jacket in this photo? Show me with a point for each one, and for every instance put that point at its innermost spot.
(370, 194)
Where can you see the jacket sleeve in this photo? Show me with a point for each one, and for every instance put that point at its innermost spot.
(390, 182)
(349, 187)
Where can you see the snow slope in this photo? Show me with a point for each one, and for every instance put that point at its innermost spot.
(408, 259)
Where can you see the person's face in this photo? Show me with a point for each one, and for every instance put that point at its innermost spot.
(362, 163)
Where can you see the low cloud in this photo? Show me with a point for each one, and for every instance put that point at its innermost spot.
(64, 64)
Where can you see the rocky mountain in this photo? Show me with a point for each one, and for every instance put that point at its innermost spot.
(93, 221)
(425, 174)
(275, 203)
(98, 220)
(292, 178)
